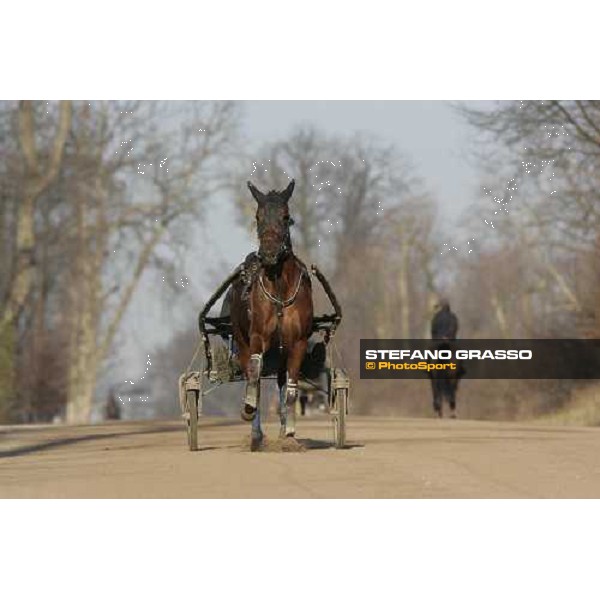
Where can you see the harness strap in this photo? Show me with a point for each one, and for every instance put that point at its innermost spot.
(279, 303)
(279, 315)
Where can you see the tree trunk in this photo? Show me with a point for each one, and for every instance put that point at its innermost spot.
(36, 183)
(81, 386)
(84, 288)
(7, 376)
(38, 178)
(500, 316)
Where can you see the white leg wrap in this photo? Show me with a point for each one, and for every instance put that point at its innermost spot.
(290, 400)
(254, 370)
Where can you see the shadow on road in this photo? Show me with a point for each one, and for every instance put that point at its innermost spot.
(57, 443)
(68, 441)
(310, 444)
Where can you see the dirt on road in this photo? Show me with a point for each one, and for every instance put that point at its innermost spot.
(385, 458)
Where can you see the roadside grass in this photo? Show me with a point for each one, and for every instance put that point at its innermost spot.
(582, 409)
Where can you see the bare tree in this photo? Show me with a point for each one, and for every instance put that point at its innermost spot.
(556, 146)
(178, 156)
(29, 170)
(343, 186)
(42, 166)
(123, 184)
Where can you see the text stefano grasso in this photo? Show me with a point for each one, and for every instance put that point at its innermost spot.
(448, 354)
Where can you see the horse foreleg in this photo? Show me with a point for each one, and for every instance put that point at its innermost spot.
(295, 357)
(252, 366)
(252, 394)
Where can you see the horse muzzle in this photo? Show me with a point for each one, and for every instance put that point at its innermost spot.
(271, 257)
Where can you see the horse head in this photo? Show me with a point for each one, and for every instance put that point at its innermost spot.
(273, 223)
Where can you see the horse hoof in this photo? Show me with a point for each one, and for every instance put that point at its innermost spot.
(248, 412)
(255, 444)
(291, 444)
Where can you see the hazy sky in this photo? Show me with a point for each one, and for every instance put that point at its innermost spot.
(430, 133)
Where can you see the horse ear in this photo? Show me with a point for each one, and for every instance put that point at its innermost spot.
(256, 193)
(287, 193)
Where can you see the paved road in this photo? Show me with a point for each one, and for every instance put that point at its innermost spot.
(386, 458)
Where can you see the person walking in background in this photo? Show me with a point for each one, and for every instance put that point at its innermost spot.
(444, 328)
(444, 325)
(112, 410)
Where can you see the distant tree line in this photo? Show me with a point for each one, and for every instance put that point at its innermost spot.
(95, 194)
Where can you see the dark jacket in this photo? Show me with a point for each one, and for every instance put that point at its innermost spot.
(444, 325)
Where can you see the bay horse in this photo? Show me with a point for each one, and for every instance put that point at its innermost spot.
(272, 311)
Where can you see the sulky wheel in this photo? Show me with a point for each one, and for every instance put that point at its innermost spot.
(339, 387)
(191, 400)
(339, 420)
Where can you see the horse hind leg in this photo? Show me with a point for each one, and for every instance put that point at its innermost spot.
(256, 437)
(281, 377)
(250, 407)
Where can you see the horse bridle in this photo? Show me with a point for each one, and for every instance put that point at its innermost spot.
(286, 244)
(284, 249)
